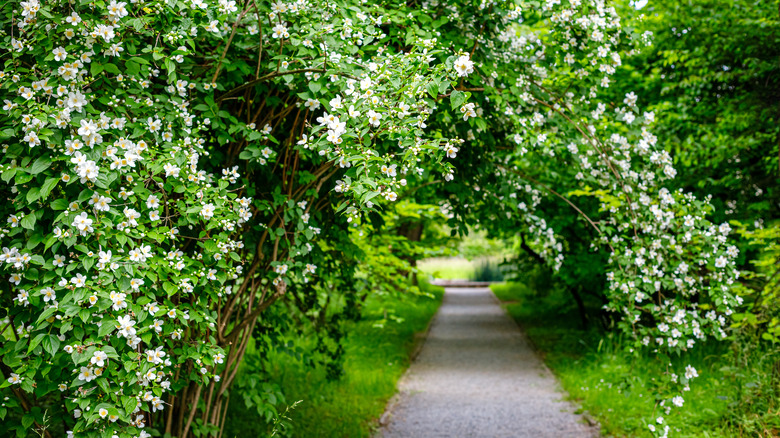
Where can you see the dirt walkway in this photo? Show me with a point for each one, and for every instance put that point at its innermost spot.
(477, 376)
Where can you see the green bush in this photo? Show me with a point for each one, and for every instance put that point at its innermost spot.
(486, 270)
(736, 395)
(376, 353)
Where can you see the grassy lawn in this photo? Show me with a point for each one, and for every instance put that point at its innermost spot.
(447, 268)
(611, 384)
(375, 358)
(458, 268)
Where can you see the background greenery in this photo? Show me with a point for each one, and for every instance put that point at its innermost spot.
(736, 394)
(712, 77)
(376, 354)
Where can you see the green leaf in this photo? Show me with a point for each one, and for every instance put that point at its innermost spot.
(103, 383)
(433, 89)
(8, 174)
(23, 177)
(59, 204)
(29, 222)
(170, 288)
(46, 314)
(85, 314)
(27, 420)
(95, 69)
(129, 404)
(457, 98)
(210, 246)
(51, 344)
(111, 68)
(106, 327)
(443, 86)
(33, 194)
(47, 187)
(36, 341)
(40, 165)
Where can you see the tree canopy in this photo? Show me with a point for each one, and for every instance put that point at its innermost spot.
(174, 168)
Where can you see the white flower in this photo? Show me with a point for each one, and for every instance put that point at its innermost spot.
(117, 9)
(690, 372)
(468, 111)
(336, 103)
(87, 128)
(86, 374)
(154, 124)
(125, 325)
(103, 203)
(207, 211)
(48, 294)
(15, 379)
(389, 170)
(373, 118)
(131, 214)
(451, 151)
(99, 358)
(212, 26)
(83, 223)
(152, 201)
(73, 19)
(279, 31)
(106, 32)
(32, 139)
(464, 66)
(59, 54)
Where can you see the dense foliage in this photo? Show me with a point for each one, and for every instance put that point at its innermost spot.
(711, 78)
(174, 168)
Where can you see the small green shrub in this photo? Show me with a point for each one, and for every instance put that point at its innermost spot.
(487, 270)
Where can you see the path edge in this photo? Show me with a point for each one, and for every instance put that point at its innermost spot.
(419, 341)
(586, 417)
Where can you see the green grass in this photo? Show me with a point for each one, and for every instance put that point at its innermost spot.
(449, 268)
(613, 385)
(375, 358)
(458, 268)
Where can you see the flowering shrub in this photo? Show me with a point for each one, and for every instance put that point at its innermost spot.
(118, 245)
(174, 167)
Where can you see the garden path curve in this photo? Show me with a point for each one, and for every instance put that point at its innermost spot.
(477, 376)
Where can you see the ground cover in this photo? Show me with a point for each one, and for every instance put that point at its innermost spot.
(616, 387)
(375, 358)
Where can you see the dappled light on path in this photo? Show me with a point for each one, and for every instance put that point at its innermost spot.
(477, 376)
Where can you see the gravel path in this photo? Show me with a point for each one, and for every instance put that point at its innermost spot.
(477, 376)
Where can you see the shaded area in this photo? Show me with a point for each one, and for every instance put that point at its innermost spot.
(374, 359)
